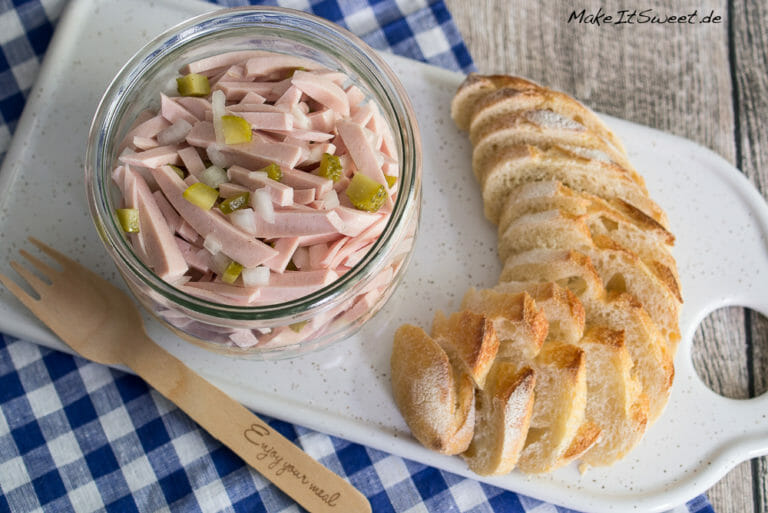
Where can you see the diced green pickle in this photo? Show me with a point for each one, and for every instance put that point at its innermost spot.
(236, 130)
(391, 180)
(231, 273)
(178, 170)
(235, 203)
(274, 172)
(330, 167)
(201, 195)
(193, 84)
(298, 326)
(129, 219)
(366, 193)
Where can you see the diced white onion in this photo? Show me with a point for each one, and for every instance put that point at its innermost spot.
(330, 200)
(300, 257)
(255, 276)
(243, 219)
(218, 157)
(254, 175)
(219, 263)
(212, 244)
(262, 204)
(213, 176)
(175, 133)
(316, 151)
(218, 110)
(181, 280)
(300, 119)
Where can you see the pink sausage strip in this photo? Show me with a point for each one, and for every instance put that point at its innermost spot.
(236, 244)
(323, 91)
(163, 254)
(154, 157)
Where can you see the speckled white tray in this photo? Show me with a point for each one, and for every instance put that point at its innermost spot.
(720, 221)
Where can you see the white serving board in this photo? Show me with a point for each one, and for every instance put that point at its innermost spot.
(721, 224)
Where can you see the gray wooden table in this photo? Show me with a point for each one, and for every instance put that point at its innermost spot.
(704, 81)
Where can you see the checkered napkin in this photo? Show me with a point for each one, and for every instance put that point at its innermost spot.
(77, 436)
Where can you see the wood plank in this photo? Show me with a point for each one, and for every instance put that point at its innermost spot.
(670, 78)
(749, 23)
(723, 368)
(760, 364)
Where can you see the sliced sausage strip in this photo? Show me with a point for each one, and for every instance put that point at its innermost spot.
(237, 245)
(323, 91)
(164, 256)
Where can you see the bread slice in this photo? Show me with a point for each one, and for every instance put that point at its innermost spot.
(503, 169)
(562, 309)
(624, 256)
(622, 271)
(483, 97)
(614, 221)
(651, 355)
(475, 87)
(615, 401)
(436, 398)
(469, 338)
(519, 324)
(586, 437)
(533, 197)
(504, 410)
(568, 268)
(550, 229)
(542, 128)
(558, 409)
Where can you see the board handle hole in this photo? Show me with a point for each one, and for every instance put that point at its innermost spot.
(730, 352)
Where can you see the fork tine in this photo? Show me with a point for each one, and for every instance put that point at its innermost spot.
(20, 293)
(36, 283)
(47, 271)
(59, 257)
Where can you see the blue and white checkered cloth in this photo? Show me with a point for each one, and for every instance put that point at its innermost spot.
(78, 436)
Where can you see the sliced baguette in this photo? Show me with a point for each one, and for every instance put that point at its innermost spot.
(543, 128)
(436, 399)
(519, 324)
(469, 338)
(558, 409)
(504, 410)
(503, 169)
(533, 197)
(568, 268)
(475, 87)
(538, 196)
(620, 269)
(651, 355)
(506, 101)
(586, 437)
(562, 309)
(617, 222)
(615, 401)
(550, 229)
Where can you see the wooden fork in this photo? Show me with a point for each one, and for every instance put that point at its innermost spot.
(102, 323)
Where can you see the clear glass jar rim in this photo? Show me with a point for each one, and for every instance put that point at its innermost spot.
(405, 129)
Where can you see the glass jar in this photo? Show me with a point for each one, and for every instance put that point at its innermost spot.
(304, 324)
